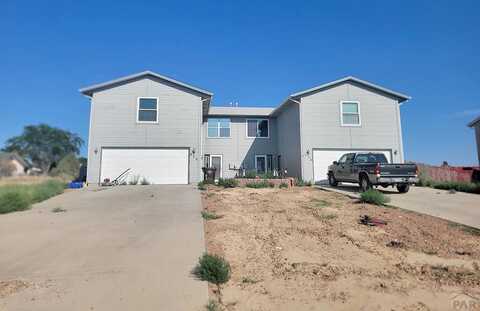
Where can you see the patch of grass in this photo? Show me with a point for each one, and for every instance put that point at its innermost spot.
(21, 197)
(248, 280)
(283, 185)
(227, 182)
(465, 228)
(144, 182)
(302, 183)
(260, 184)
(458, 186)
(209, 215)
(374, 197)
(213, 269)
(319, 203)
(212, 305)
(250, 174)
(202, 185)
(327, 216)
(58, 210)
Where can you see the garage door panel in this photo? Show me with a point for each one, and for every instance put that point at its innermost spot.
(322, 159)
(158, 166)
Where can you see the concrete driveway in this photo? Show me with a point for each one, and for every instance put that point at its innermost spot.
(123, 248)
(463, 208)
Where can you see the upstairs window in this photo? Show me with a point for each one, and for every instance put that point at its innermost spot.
(350, 113)
(147, 110)
(257, 128)
(218, 128)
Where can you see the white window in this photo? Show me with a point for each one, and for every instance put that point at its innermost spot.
(258, 128)
(218, 128)
(147, 110)
(350, 111)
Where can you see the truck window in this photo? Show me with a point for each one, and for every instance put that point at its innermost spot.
(343, 158)
(370, 158)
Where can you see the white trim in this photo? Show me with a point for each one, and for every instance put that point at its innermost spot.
(257, 119)
(221, 162)
(138, 109)
(359, 113)
(261, 156)
(219, 127)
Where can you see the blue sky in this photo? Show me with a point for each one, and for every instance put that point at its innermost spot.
(253, 52)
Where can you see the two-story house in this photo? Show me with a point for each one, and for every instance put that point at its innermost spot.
(166, 131)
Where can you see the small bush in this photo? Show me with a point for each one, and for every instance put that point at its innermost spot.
(213, 269)
(260, 184)
(458, 186)
(227, 182)
(302, 183)
(144, 182)
(202, 185)
(283, 185)
(212, 305)
(67, 168)
(134, 181)
(13, 201)
(58, 210)
(250, 174)
(374, 197)
(209, 215)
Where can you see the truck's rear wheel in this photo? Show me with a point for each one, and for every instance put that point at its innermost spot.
(403, 188)
(332, 180)
(365, 183)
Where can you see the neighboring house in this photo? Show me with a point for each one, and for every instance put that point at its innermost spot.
(166, 130)
(12, 164)
(476, 125)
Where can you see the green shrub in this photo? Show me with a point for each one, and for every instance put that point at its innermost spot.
(144, 182)
(283, 185)
(458, 186)
(227, 182)
(13, 201)
(260, 184)
(250, 174)
(202, 185)
(21, 197)
(302, 183)
(213, 269)
(374, 197)
(209, 215)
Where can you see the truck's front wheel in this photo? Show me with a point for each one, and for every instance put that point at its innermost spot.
(403, 188)
(332, 180)
(364, 183)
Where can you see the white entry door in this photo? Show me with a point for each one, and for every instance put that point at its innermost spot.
(156, 165)
(322, 159)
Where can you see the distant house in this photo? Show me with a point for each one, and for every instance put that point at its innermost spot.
(11, 164)
(476, 125)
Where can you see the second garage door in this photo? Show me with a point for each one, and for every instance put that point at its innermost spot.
(322, 159)
(156, 165)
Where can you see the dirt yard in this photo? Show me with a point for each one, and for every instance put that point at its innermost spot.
(304, 249)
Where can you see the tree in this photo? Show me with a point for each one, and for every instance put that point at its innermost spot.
(44, 145)
(67, 168)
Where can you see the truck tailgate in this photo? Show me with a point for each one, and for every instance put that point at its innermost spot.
(398, 169)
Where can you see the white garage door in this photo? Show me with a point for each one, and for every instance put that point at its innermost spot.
(158, 166)
(322, 159)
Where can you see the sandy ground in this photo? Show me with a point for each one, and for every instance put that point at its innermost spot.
(121, 248)
(303, 249)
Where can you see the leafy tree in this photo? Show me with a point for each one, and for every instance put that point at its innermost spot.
(44, 145)
(68, 167)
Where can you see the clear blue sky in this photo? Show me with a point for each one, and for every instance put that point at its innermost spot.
(253, 52)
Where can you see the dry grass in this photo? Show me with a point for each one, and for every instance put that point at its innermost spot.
(24, 180)
(306, 251)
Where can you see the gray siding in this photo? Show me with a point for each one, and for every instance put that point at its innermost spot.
(238, 150)
(288, 129)
(113, 122)
(321, 125)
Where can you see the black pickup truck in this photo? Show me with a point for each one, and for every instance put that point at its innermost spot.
(372, 169)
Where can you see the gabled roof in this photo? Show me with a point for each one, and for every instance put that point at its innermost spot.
(240, 111)
(474, 122)
(89, 90)
(14, 156)
(400, 96)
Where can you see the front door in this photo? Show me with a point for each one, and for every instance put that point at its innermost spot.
(216, 162)
(261, 164)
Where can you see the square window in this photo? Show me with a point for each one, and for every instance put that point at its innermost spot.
(257, 128)
(147, 110)
(218, 128)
